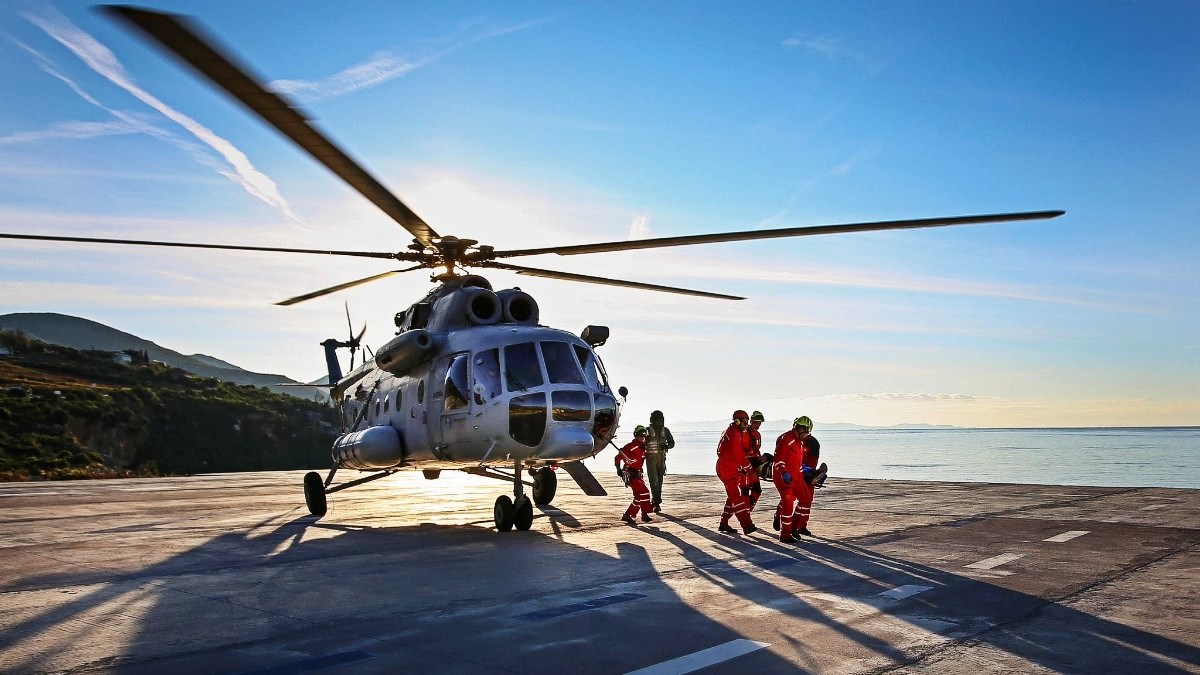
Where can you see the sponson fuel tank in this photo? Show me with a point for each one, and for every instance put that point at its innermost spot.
(372, 448)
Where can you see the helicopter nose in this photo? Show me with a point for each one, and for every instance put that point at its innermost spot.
(563, 442)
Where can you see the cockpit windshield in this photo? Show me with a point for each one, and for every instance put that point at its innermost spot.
(521, 369)
(562, 367)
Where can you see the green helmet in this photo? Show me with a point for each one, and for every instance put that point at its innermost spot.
(757, 417)
(639, 430)
(803, 421)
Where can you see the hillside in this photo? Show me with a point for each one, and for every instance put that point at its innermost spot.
(79, 333)
(67, 413)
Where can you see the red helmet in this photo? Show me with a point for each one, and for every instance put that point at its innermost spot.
(740, 414)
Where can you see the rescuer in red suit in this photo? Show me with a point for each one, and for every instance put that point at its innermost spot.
(751, 486)
(787, 472)
(811, 469)
(732, 468)
(629, 462)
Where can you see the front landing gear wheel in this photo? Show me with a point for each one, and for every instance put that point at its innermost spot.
(314, 494)
(504, 513)
(524, 514)
(545, 483)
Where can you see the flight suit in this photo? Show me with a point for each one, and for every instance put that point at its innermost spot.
(658, 442)
(809, 461)
(630, 460)
(751, 486)
(732, 468)
(788, 478)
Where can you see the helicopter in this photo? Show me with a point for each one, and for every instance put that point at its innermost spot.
(471, 381)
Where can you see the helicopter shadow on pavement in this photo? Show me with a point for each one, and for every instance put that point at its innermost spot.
(969, 611)
(293, 593)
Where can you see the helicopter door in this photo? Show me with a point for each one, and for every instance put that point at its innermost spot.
(451, 401)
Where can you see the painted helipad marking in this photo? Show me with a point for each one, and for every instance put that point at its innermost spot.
(703, 658)
(908, 590)
(1152, 507)
(995, 561)
(1067, 536)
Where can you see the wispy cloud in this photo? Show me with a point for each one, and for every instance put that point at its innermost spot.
(71, 130)
(903, 396)
(387, 65)
(100, 59)
(829, 48)
(639, 228)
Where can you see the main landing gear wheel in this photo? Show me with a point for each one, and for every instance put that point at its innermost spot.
(314, 493)
(545, 483)
(524, 514)
(504, 513)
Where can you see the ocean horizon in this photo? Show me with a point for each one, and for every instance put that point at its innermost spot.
(1095, 456)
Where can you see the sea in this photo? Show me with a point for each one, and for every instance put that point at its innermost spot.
(1106, 457)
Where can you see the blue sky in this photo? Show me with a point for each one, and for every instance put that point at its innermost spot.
(536, 124)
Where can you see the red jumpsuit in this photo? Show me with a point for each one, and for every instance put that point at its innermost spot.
(789, 452)
(810, 460)
(753, 453)
(633, 455)
(732, 468)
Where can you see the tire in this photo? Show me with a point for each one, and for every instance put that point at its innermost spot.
(523, 519)
(545, 484)
(314, 494)
(504, 513)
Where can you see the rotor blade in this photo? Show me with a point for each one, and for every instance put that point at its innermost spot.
(568, 276)
(410, 257)
(180, 36)
(340, 287)
(746, 235)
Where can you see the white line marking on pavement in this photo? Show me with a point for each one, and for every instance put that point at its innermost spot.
(901, 592)
(1153, 507)
(1067, 536)
(703, 658)
(995, 561)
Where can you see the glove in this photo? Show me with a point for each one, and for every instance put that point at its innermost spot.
(620, 473)
(808, 471)
(787, 478)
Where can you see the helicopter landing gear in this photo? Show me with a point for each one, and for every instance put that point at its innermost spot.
(505, 513)
(314, 493)
(545, 483)
(523, 518)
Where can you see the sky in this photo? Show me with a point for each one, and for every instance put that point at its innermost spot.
(551, 123)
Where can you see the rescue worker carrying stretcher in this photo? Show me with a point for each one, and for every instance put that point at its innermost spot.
(751, 486)
(796, 454)
(629, 462)
(732, 468)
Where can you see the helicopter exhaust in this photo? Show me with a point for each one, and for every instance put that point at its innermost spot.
(406, 351)
(371, 448)
(518, 306)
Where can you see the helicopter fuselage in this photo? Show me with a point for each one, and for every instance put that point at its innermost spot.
(488, 395)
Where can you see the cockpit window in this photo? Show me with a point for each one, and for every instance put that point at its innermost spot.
(571, 406)
(560, 364)
(593, 373)
(521, 369)
(487, 375)
(456, 383)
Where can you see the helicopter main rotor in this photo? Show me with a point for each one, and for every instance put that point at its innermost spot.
(183, 39)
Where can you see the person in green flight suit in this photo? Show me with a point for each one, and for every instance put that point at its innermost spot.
(658, 442)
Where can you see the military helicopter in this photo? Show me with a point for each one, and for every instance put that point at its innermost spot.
(471, 381)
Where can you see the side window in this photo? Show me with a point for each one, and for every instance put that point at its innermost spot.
(456, 383)
(487, 374)
(588, 362)
(561, 365)
(521, 369)
(421, 392)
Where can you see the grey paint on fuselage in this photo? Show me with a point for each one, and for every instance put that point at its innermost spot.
(477, 434)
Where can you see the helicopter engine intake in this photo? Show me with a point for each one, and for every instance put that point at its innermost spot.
(519, 307)
(372, 448)
(406, 351)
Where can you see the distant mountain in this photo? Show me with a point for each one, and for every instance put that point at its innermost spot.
(78, 333)
(776, 427)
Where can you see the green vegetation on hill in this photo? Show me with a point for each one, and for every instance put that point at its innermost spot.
(66, 413)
